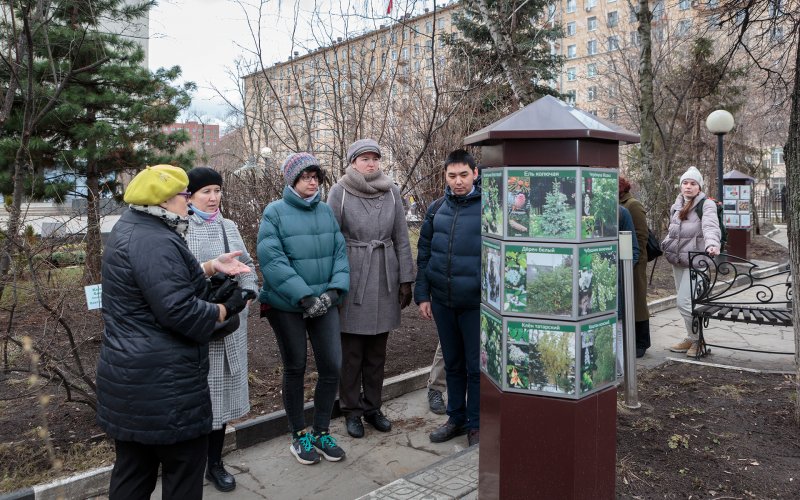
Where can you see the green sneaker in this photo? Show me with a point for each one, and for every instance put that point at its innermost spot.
(302, 448)
(326, 445)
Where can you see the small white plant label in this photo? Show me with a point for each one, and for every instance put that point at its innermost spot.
(94, 296)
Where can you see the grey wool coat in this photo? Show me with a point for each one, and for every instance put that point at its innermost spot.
(227, 373)
(379, 254)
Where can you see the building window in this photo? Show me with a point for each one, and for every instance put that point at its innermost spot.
(440, 23)
(393, 37)
(613, 43)
(429, 82)
(613, 19)
(571, 73)
(428, 27)
(571, 5)
(591, 23)
(777, 156)
(591, 93)
(383, 41)
(776, 34)
(571, 99)
(394, 55)
(612, 113)
(572, 51)
(591, 70)
(590, 4)
(636, 39)
(684, 25)
(593, 112)
(684, 4)
(571, 28)
(416, 65)
(416, 50)
(591, 47)
(658, 11)
(634, 13)
(404, 53)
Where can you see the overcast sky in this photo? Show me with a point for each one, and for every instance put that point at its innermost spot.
(204, 37)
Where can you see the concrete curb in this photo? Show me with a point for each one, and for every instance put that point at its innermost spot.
(95, 482)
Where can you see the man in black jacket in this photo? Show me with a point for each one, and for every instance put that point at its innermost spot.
(152, 388)
(448, 290)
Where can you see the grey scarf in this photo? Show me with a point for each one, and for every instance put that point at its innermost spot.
(365, 185)
(174, 221)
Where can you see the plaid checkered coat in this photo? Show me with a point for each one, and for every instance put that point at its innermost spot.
(227, 374)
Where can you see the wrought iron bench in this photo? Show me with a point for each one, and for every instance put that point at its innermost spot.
(734, 289)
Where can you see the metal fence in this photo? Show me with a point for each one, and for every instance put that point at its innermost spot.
(769, 205)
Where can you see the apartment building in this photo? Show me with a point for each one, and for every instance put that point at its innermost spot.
(316, 100)
(201, 135)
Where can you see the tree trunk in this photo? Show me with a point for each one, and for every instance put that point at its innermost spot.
(505, 52)
(792, 158)
(647, 128)
(91, 270)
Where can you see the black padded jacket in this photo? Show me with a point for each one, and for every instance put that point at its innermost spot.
(152, 372)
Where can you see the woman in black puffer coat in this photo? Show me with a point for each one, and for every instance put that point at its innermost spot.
(152, 388)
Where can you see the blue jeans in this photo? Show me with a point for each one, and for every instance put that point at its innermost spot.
(290, 331)
(459, 334)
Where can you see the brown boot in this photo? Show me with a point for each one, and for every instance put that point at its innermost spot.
(682, 346)
(695, 351)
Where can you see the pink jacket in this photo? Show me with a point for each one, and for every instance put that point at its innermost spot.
(692, 234)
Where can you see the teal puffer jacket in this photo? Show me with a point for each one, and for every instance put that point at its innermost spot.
(301, 252)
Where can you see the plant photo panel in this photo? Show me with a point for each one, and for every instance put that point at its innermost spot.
(491, 272)
(538, 279)
(491, 346)
(731, 192)
(597, 279)
(541, 357)
(598, 357)
(599, 200)
(744, 193)
(540, 203)
(492, 202)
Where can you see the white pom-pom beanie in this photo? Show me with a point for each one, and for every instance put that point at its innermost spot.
(694, 174)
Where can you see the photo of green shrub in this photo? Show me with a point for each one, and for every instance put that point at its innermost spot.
(491, 260)
(541, 357)
(597, 279)
(599, 196)
(492, 202)
(538, 280)
(491, 345)
(541, 203)
(598, 351)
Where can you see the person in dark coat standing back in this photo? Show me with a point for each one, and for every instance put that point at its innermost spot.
(369, 209)
(639, 216)
(152, 387)
(448, 291)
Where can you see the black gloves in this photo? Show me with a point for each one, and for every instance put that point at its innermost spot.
(235, 303)
(313, 307)
(405, 295)
(222, 330)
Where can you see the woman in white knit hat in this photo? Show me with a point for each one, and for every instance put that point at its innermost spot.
(689, 232)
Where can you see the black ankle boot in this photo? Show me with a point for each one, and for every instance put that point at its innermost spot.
(220, 478)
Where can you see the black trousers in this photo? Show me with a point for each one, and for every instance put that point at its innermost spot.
(643, 334)
(136, 469)
(363, 360)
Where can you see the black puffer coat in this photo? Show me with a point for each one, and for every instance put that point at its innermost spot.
(449, 253)
(152, 373)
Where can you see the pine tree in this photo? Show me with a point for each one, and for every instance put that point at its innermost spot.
(556, 220)
(507, 46)
(103, 115)
(538, 377)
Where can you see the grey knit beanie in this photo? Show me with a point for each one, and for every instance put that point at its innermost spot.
(360, 147)
(295, 164)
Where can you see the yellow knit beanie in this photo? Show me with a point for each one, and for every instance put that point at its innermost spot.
(155, 185)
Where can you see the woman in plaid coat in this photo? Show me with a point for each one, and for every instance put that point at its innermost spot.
(209, 235)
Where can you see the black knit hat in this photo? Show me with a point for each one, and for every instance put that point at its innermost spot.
(200, 177)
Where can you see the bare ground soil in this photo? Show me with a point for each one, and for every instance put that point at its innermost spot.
(686, 411)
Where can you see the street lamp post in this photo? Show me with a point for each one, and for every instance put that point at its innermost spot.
(719, 123)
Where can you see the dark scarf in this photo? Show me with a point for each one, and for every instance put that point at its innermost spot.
(365, 185)
(174, 221)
